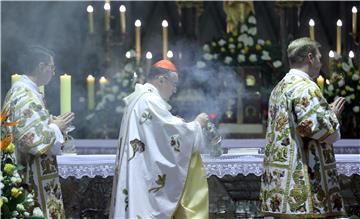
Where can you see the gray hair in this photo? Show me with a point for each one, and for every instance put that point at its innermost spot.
(298, 50)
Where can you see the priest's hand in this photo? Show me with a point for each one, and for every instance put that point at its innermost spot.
(63, 121)
(202, 118)
(338, 106)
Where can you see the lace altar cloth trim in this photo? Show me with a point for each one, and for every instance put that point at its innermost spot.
(80, 166)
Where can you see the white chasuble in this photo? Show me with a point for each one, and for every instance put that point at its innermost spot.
(35, 141)
(153, 158)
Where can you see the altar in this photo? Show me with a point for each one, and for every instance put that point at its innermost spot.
(234, 177)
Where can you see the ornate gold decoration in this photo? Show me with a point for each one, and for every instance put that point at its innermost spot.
(236, 12)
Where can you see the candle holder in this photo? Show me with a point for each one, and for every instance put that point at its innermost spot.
(68, 145)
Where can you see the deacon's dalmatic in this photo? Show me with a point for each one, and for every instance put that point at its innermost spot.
(37, 144)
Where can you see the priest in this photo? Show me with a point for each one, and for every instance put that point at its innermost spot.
(159, 172)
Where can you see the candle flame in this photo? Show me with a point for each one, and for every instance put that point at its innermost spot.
(339, 23)
(148, 55)
(331, 54)
(107, 6)
(122, 8)
(311, 22)
(170, 54)
(138, 23)
(103, 80)
(90, 9)
(128, 54)
(354, 10)
(351, 54)
(164, 23)
(90, 78)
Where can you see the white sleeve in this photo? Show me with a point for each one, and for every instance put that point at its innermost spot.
(333, 137)
(199, 144)
(59, 139)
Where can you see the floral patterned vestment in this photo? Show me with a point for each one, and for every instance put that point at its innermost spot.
(300, 178)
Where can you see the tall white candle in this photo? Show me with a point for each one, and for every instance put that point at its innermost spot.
(138, 39)
(165, 34)
(107, 16)
(338, 36)
(312, 29)
(354, 20)
(122, 10)
(90, 11)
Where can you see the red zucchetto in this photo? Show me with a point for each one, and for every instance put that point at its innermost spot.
(165, 64)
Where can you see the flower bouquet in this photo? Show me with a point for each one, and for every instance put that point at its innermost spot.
(17, 198)
(345, 82)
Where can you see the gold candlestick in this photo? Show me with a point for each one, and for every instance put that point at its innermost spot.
(338, 36)
(107, 16)
(312, 29)
(90, 11)
(122, 10)
(165, 38)
(137, 40)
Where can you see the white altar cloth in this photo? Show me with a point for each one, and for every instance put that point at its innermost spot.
(228, 164)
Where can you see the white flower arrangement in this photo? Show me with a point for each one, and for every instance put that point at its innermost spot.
(355, 77)
(228, 60)
(252, 58)
(241, 58)
(252, 31)
(261, 42)
(345, 66)
(14, 201)
(244, 48)
(265, 56)
(231, 46)
(128, 67)
(356, 109)
(252, 20)
(37, 212)
(222, 42)
(344, 82)
(207, 56)
(200, 64)
(243, 28)
(277, 64)
(206, 48)
(341, 83)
